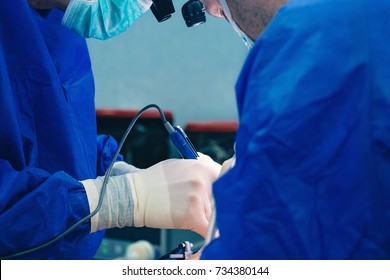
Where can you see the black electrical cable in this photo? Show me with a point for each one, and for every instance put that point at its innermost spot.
(104, 186)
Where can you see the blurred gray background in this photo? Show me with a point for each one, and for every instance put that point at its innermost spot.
(188, 71)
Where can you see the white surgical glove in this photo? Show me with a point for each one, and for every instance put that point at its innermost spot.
(174, 193)
(122, 168)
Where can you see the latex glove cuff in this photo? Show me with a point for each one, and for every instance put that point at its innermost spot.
(117, 209)
(152, 202)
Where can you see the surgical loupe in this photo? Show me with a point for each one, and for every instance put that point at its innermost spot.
(193, 11)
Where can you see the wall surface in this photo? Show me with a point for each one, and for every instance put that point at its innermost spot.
(188, 71)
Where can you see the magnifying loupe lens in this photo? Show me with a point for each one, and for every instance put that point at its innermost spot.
(193, 13)
(162, 9)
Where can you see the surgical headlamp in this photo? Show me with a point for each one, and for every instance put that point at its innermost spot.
(193, 11)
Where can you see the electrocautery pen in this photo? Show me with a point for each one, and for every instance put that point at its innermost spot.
(181, 141)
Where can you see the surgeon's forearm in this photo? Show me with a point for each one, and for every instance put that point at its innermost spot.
(49, 4)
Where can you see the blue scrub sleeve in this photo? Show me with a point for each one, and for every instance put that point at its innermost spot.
(47, 135)
(106, 146)
(45, 205)
(36, 206)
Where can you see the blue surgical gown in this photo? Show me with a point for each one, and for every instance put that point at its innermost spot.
(48, 140)
(312, 172)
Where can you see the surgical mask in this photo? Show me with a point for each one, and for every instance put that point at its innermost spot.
(247, 41)
(103, 19)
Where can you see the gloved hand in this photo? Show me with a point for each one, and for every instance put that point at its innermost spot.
(122, 168)
(174, 193)
(212, 231)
